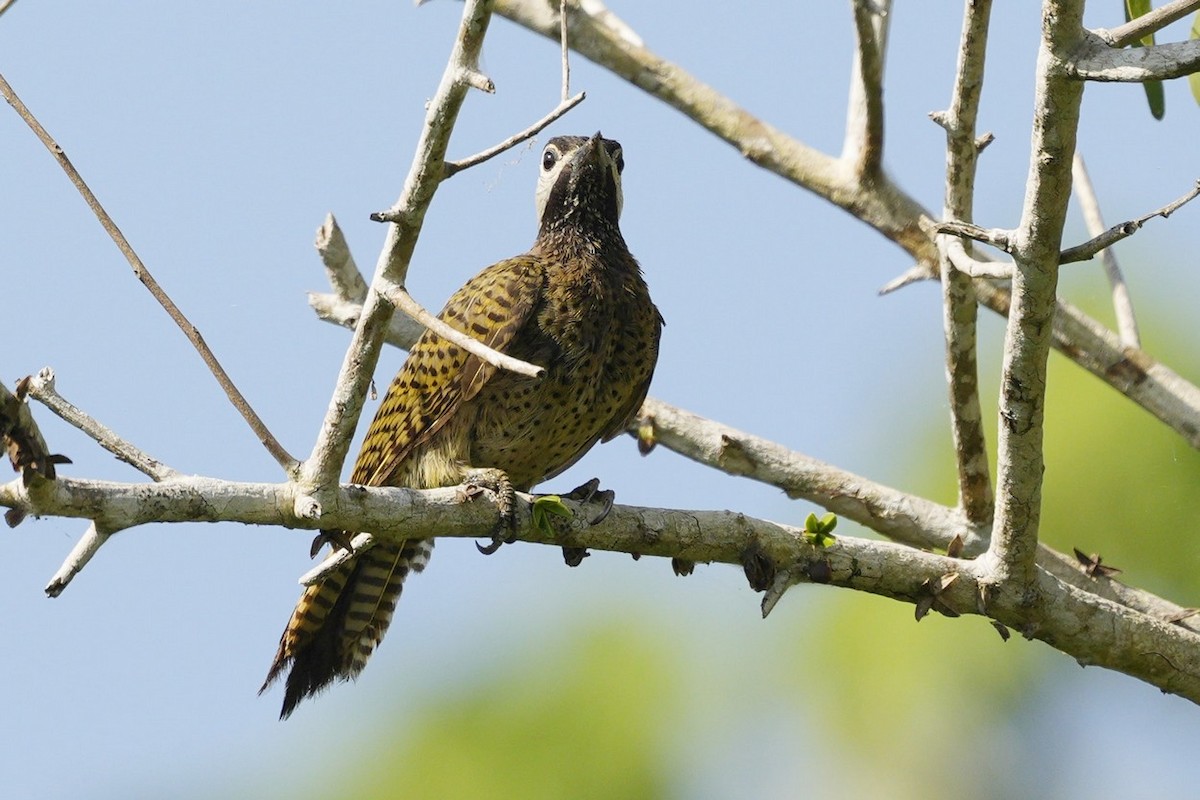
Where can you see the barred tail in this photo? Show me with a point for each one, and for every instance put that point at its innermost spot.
(340, 621)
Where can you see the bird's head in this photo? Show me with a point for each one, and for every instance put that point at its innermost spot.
(579, 183)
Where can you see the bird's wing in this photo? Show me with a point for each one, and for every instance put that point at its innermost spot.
(616, 426)
(438, 377)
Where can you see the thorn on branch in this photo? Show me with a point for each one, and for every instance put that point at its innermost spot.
(682, 567)
(1093, 566)
(574, 556)
(759, 568)
(931, 597)
(1002, 630)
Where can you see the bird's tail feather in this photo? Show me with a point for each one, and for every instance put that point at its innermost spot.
(338, 622)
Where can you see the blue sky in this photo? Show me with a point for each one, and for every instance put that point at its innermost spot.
(219, 135)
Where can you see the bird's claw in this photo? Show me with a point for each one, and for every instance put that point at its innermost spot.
(590, 491)
(506, 502)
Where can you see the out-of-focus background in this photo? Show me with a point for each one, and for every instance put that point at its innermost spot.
(219, 135)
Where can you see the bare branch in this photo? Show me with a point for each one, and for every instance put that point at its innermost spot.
(604, 39)
(405, 302)
(319, 472)
(1150, 22)
(960, 309)
(344, 275)
(566, 51)
(5, 5)
(967, 264)
(1122, 303)
(42, 389)
(1037, 240)
(92, 540)
(1094, 60)
(454, 167)
(863, 145)
(996, 237)
(1087, 627)
(239, 402)
(1107, 238)
(903, 517)
(601, 36)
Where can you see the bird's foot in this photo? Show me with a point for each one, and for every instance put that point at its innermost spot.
(591, 491)
(497, 481)
(337, 540)
(549, 505)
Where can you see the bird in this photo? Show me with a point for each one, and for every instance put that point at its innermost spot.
(577, 305)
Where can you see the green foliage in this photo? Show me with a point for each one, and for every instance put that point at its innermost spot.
(545, 507)
(820, 531)
(1154, 89)
(1194, 78)
(585, 722)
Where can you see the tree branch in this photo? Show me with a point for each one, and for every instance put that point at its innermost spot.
(1093, 60)
(607, 41)
(1037, 241)
(277, 451)
(960, 309)
(863, 145)
(324, 464)
(1151, 22)
(41, 388)
(1107, 238)
(1085, 626)
(1089, 204)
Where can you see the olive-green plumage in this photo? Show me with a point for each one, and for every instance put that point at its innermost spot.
(576, 305)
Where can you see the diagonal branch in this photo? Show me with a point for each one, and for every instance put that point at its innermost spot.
(42, 389)
(1151, 22)
(1107, 238)
(192, 333)
(1089, 204)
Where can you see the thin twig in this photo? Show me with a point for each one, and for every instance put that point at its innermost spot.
(1150, 22)
(863, 145)
(566, 50)
(5, 5)
(1127, 327)
(1108, 238)
(42, 389)
(360, 544)
(405, 302)
(1093, 60)
(256, 424)
(454, 167)
(996, 237)
(968, 264)
(92, 540)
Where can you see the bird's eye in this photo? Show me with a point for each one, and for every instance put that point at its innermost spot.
(549, 159)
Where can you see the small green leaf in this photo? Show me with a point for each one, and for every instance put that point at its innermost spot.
(546, 506)
(1154, 89)
(829, 522)
(1194, 78)
(811, 524)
